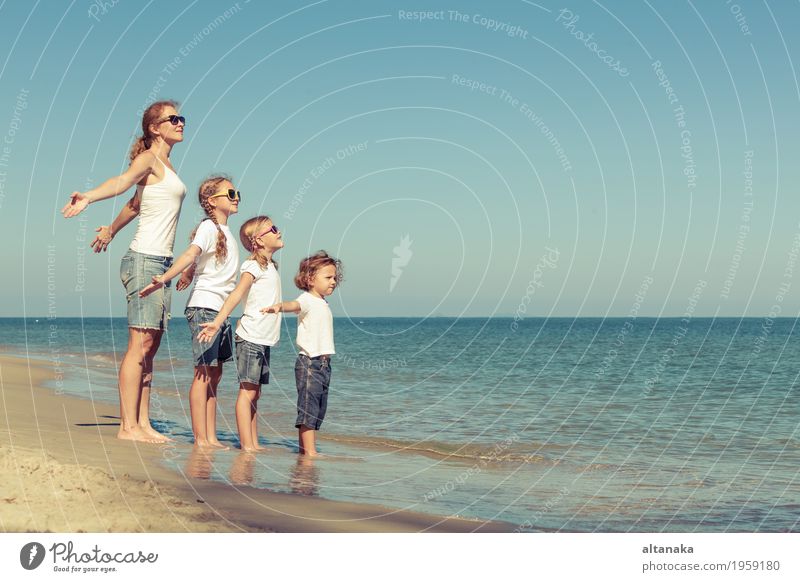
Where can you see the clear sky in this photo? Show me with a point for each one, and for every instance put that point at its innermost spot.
(475, 158)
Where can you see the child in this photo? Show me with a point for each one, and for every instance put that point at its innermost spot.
(318, 276)
(217, 256)
(256, 333)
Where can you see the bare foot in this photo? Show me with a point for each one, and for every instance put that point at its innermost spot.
(255, 449)
(154, 434)
(217, 445)
(138, 435)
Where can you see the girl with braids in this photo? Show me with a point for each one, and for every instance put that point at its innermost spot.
(259, 284)
(214, 249)
(157, 202)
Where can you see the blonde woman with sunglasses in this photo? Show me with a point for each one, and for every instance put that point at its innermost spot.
(157, 201)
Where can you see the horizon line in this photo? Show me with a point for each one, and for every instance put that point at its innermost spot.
(49, 318)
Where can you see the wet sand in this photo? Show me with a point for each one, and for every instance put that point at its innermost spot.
(64, 470)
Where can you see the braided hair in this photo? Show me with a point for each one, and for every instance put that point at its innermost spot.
(209, 187)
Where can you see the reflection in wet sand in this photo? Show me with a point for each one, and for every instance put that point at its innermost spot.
(243, 468)
(200, 463)
(304, 477)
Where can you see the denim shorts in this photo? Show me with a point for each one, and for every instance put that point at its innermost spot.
(252, 362)
(220, 349)
(136, 272)
(313, 376)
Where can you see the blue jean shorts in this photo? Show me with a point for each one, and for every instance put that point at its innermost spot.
(252, 362)
(136, 270)
(220, 349)
(313, 376)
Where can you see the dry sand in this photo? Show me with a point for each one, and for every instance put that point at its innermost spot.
(63, 470)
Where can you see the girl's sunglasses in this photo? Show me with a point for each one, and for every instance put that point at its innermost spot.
(272, 229)
(231, 194)
(174, 119)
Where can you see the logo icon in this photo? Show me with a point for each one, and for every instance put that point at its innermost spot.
(402, 255)
(31, 555)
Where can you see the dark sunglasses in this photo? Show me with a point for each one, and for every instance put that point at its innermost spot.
(231, 194)
(272, 229)
(174, 119)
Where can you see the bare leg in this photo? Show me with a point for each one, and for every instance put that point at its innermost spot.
(254, 422)
(246, 406)
(211, 406)
(308, 441)
(131, 371)
(147, 378)
(198, 397)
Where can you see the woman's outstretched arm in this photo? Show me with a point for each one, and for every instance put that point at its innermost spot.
(140, 168)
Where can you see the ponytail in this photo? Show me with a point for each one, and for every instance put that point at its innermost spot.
(139, 146)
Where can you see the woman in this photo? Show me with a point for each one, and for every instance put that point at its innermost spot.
(157, 202)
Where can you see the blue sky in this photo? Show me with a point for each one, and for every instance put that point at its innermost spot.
(489, 134)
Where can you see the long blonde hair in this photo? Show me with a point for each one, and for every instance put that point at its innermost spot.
(208, 188)
(247, 235)
(149, 117)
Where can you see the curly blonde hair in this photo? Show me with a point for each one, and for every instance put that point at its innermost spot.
(247, 234)
(149, 117)
(310, 265)
(207, 189)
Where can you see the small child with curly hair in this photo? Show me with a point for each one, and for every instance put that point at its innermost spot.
(317, 277)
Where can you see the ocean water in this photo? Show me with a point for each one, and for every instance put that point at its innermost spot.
(556, 424)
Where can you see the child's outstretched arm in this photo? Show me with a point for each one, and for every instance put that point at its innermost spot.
(188, 257)
(106, 233)
(283, 307)
(140, 168)
(242, 287)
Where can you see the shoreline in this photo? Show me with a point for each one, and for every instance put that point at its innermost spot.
(62, 457)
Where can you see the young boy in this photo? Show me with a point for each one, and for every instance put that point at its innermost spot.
(318, 275)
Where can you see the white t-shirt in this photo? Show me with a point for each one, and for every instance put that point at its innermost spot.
(314, 326)
(213, 281)
(254, 326)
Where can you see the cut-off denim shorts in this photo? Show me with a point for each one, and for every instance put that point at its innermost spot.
(220, 349)
(136, 271)
(252, 362)
(313, 376)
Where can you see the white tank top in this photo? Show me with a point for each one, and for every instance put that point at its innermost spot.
(159, 209)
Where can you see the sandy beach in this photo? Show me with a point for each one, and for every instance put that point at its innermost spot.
(64, 471)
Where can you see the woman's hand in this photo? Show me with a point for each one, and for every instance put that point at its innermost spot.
(272, 309)
(103, 239)
(208, 332)
(77, 204)
(154, 286)
(185, 280)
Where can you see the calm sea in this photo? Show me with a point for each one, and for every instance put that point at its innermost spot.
(559, 424)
